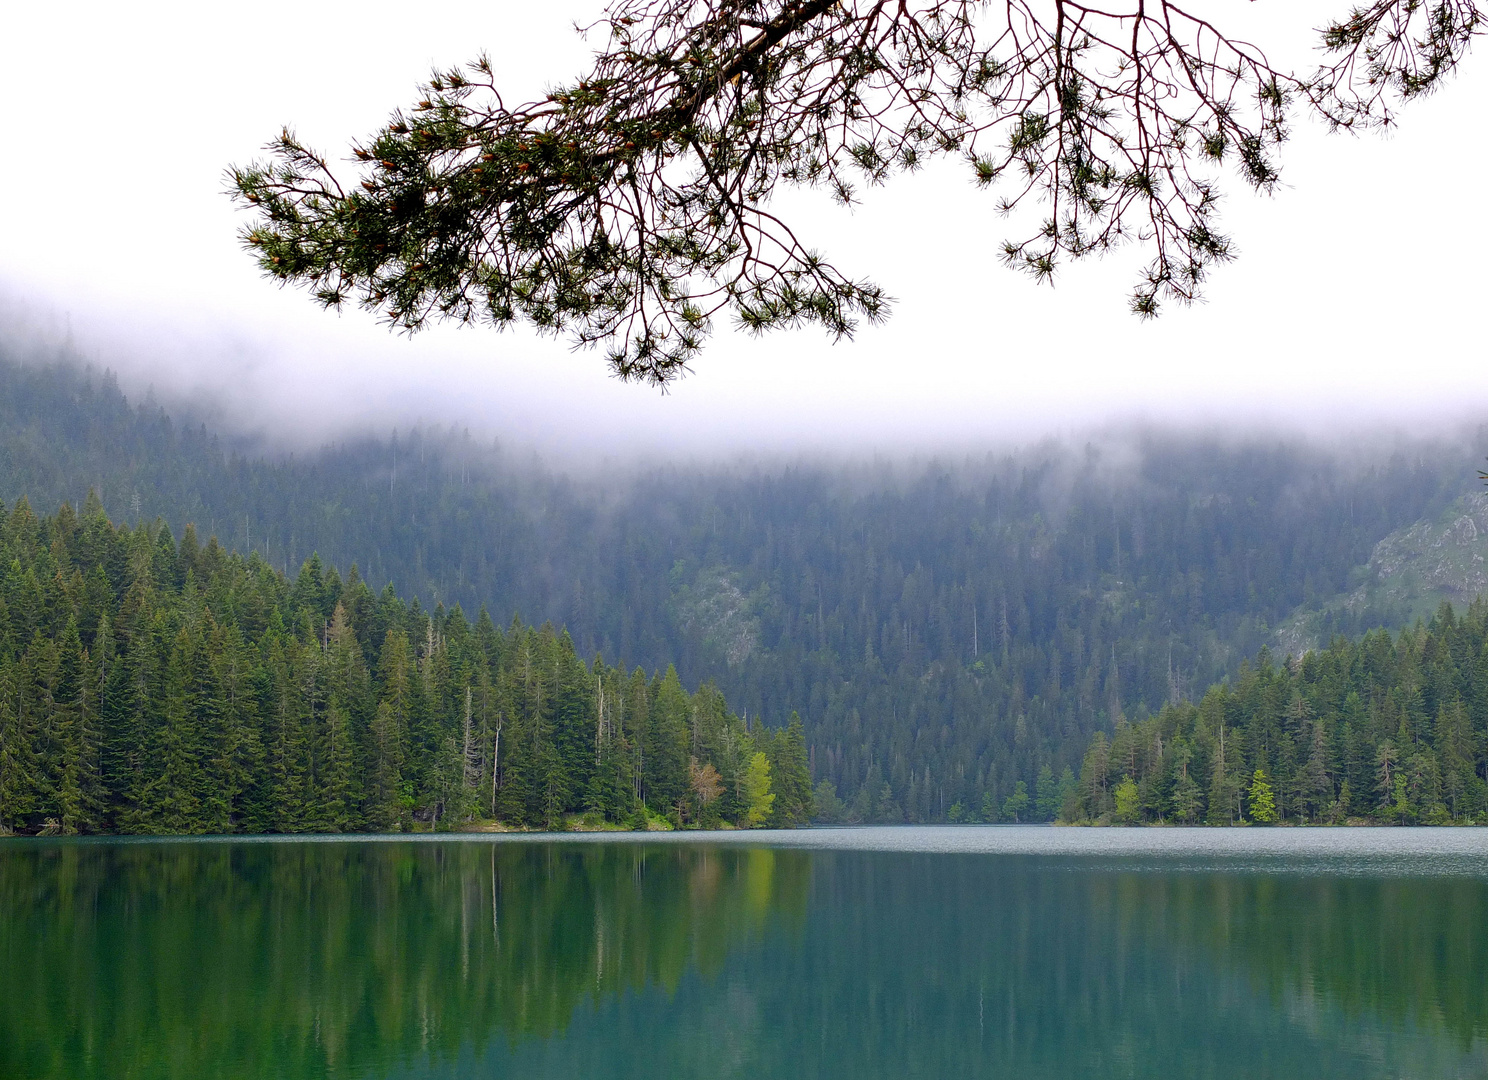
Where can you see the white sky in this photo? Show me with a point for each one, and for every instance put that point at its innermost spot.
(1357, 296)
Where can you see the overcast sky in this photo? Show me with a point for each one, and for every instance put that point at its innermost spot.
(1357, 297)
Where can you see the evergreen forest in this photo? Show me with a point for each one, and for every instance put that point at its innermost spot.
(154, 687)
(952, 634)
(1382, 729)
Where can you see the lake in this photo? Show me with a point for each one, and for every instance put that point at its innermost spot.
(892, 952)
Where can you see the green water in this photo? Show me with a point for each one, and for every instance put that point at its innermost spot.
(972, 952)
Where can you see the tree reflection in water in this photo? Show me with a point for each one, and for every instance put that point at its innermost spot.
(453, 958)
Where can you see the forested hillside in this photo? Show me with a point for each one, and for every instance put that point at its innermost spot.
(1411, 572)
(146, 688)
(1384, 729)
(944, 630)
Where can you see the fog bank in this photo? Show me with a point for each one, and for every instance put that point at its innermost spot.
(1354, 303)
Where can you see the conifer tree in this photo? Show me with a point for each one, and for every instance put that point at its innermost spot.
(174, 780)
(1046, 794)
(79, 788)
(1222, 785)
(14, 804)
(43, 727)
(384, 809)
(631, 205)
(241, 763)
(790, 777)
(1262, 801)
(208, 719)
(1094, 772)
(611, 792)
(665, 775)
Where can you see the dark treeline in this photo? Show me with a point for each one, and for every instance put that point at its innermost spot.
(1385, 729)
(946, 633)
(151, 688)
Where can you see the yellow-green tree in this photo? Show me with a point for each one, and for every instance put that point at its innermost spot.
(1128, 806)
(758, 796)
(1262, 799)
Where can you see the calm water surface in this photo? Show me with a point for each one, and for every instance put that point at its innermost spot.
(950, 952)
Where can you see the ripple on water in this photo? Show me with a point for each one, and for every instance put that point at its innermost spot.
(1367, 851)
(1437, 851)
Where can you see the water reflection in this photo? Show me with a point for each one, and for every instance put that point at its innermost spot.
(330, 959)
(539, 959)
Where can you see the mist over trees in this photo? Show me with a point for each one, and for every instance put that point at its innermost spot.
(946, 632)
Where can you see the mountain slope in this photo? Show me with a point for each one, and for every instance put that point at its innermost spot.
(944, 630)
(1409, 575)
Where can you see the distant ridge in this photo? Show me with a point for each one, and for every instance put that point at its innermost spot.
(944, 631)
